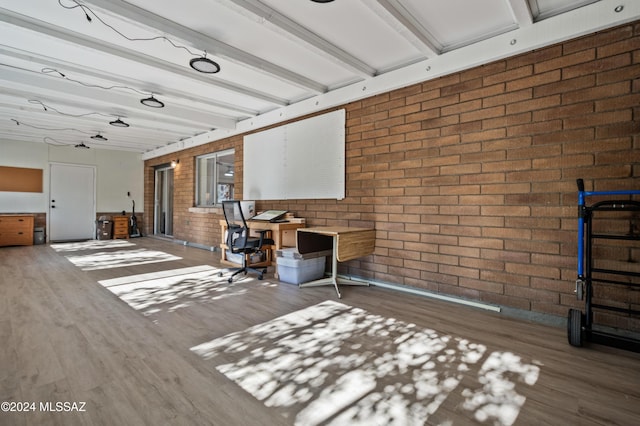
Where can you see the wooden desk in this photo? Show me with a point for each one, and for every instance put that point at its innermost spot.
(282, 234)
(346, 244)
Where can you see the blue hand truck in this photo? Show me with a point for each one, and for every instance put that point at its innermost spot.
(580, 326)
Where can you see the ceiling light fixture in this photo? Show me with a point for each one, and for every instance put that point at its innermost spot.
(201, 64)
(152, 102)
(229, 172)
(118, 123)
(99, 137)
(82, 145)
(204, 65)
(322, 1)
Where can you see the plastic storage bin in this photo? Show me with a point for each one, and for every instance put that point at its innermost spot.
(237, 258)
(297, 271)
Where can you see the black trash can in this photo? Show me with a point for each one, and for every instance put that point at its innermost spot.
(38, 235)
(104, 229)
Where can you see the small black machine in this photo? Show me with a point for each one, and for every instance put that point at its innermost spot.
(133, 223)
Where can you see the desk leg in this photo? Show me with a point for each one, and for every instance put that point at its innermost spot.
(333, 279)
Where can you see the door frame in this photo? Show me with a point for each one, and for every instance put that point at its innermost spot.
(94, 201)
(156, 204)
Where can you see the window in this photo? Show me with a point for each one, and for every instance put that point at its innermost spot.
(214, 178)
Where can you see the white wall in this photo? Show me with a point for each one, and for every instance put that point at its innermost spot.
(117, 172)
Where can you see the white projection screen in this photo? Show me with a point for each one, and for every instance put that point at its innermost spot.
(300, 160)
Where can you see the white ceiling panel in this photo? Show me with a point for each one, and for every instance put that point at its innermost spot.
(279, 59)
(457, 23)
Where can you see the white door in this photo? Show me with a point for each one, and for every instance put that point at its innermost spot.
(72, 205)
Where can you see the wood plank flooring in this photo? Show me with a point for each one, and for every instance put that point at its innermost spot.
(118, 341)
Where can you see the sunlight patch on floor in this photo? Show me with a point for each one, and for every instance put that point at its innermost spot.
(334, 364)
(121, 258)
(91, 245)
(169, 290)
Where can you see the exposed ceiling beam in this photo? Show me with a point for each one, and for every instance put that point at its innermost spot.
(68, 68)
(64, 89)
(14, 105)
(521, 12)
(203, 42)
(131, 55)
(398, 17)
(301, 35)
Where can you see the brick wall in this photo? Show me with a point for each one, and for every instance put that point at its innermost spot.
(469, 179)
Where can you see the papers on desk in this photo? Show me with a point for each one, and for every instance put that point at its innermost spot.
(270, 215)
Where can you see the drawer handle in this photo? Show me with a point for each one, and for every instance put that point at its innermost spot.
(20, 233)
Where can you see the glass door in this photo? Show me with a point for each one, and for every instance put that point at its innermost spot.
(163, 210)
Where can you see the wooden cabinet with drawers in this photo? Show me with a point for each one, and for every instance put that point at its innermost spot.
(16, 230)
(120, 227)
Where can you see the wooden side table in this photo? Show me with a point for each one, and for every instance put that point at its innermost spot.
(16, 230)
(120, 227)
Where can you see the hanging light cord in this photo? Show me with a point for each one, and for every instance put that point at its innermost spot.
(46, 108)
(20, 123)
(87, 11)
(47, 70)
(55, 142)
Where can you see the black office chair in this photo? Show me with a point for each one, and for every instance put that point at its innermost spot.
(238, 239)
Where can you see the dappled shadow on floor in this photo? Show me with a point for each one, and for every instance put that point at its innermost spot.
(169, 290)
(331, 364)
(119, 258)
(91, 245)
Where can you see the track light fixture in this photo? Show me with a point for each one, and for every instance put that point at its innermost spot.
(118, 123)
(152, 102)
(81, 145)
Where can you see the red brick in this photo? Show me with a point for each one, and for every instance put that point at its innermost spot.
(512, 74)
(583, 56)
(598, 92)
(598, 66)
(534, 80)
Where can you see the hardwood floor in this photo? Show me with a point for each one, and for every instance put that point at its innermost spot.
(147, 333)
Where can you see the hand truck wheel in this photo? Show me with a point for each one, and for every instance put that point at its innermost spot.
(575, 324)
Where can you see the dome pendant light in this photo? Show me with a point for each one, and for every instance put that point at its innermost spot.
(99, 137)
(118, 123)
(204, 65)
(152, 102)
